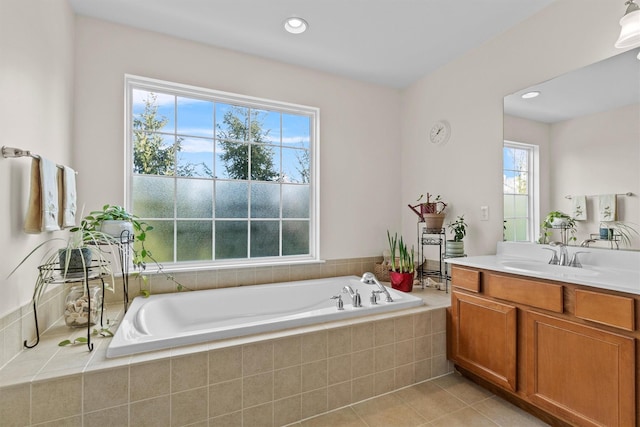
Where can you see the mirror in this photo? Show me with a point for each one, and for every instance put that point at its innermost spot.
(586, 125)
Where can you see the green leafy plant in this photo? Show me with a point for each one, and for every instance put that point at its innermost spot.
(404, 263)
(435, 206)
(550, 222)
(458, 228)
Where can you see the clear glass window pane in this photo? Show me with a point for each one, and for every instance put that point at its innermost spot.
(265, 238)
(194, 198)
(232, 160)
(231, 199)
(195, 157)
(195, 117)
(265, 162)
(195, 240)
(265, 200)
(232, 122)
(153, 196)
(270, 124)
(295, 201)
(295, 166)
(153, 153)
(153, 112)
(295, 237)
(296, 131)
(159, 241)
(231, 239)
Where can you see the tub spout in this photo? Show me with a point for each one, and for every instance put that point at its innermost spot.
(370, 279)
(355, 296)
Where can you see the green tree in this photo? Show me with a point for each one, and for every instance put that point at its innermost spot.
(242, 124)
(150, 155)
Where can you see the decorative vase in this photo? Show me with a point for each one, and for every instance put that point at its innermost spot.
(117, 228)
(82, 308)
(433, 221)
(78, 259)
(401, 281)
(454, 249)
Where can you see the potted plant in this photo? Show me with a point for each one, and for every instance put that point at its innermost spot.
(559, 220)
(455, 247)
(402, 268)
(431, 212)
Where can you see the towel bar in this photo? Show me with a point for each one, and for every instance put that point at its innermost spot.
(11, 152)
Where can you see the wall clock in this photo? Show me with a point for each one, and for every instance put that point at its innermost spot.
(440, 132)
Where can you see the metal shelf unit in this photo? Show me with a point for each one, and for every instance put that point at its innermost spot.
(430, 237)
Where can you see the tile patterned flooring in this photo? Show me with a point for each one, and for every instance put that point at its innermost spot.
(448, 401)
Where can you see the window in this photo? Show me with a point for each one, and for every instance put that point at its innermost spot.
(222, 178)
(520, 183)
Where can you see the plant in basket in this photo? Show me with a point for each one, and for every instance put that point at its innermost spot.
(402, 268)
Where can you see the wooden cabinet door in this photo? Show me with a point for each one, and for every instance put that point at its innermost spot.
(483, 338)
(580, 373)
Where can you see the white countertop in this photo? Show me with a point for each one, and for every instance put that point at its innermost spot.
(601, 268)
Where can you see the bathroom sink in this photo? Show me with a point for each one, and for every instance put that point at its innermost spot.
(536, 267)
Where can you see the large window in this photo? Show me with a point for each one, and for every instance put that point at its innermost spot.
(520, 178)
(222, 178)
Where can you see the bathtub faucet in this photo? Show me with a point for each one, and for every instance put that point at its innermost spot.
(370, 279)
(355, 296)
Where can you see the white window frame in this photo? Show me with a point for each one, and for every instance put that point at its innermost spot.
(148, 84)
(534, 185)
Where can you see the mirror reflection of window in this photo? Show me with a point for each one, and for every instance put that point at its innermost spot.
(518, 172)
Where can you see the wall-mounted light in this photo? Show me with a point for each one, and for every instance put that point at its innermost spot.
(530, 95)
(296, 25)
(630, 23)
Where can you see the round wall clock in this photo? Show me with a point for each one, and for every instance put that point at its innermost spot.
(440, 132)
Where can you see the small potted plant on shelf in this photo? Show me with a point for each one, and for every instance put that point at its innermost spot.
(455, 247)
(558, 220)
(402, 269)
(431, 212)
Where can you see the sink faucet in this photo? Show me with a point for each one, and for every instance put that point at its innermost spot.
(370, 279)
(355, 296)
(564, 254)
(585, 243)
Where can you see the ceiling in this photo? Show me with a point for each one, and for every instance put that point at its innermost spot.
(387, 42)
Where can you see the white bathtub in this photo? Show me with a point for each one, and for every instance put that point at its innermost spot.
(171, 320)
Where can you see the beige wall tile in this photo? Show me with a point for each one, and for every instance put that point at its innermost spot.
(362, 336)
(14, 404)
(287, 382)
(362, 388)
(385, 357)
(287, 352)
(422, 324)
(438, 321)
(314, 375)
(154, 412)
(439, 343)
(405, 375)
(339, 395)
(384, 381)
(151, 379)
(422, 369)
(440, 365)
(314, 403)
(287, 411)
(104, 389)
(257, 389)
(314, 346)
(190, 406)
(339, 341)
(384, 332)
(362, 363)
(339, 369)
(225, 398)
(189, 371)
(404, 352)
(423, 347)
(75, 421)
(403, 328)
(58, 398)
(257, 358)
(228, 420)
(111, 417)
(225, 364)
(258, 416)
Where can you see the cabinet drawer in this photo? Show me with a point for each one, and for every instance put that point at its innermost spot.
(607, 309)
(530, 292)
(465, 278)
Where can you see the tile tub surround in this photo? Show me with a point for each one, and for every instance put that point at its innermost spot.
(269, 379)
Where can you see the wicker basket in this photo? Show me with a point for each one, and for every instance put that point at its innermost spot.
(381, 271)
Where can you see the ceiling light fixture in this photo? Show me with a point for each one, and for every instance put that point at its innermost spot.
(630, 23)
(296, 25)
(530, 95)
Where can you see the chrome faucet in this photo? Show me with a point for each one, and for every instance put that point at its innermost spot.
(370, 279)
(355, 296)
(585, 243)
(564, 254)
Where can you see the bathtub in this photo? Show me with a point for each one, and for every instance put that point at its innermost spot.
(176, 319)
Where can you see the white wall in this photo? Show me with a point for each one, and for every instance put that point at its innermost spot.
(469, 91)
(36, 113)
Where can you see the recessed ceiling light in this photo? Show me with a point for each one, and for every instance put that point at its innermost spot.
(295, 25)
(531, 94)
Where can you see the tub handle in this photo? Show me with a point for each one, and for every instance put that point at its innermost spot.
(339, 303)
(374, 297)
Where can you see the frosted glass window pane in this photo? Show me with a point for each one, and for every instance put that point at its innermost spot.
(153, 111)
(195, 240)
(194, 198)
(265, 162)
(265, 237)
(295, 201)
(231, 160)
(231, 239)
(509, 232)
(509, 210)
(195, 117)
(295, 237)
(153, 196)
(195, 157)
(232, 122)
(296, 131)
(269, 123)
(521, 206)
(265, 200)
(520, 228)
(159, 241)
(231, 199)
(153, 153)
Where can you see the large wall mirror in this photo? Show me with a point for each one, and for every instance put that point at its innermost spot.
(585, 128)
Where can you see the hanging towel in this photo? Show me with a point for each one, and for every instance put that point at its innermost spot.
(67, 197)
(579, 208)
(42, 214)
(607, 207)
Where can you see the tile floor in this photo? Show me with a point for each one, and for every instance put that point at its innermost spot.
(449, 401)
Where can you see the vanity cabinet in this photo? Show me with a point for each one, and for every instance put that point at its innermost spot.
(559, 349)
